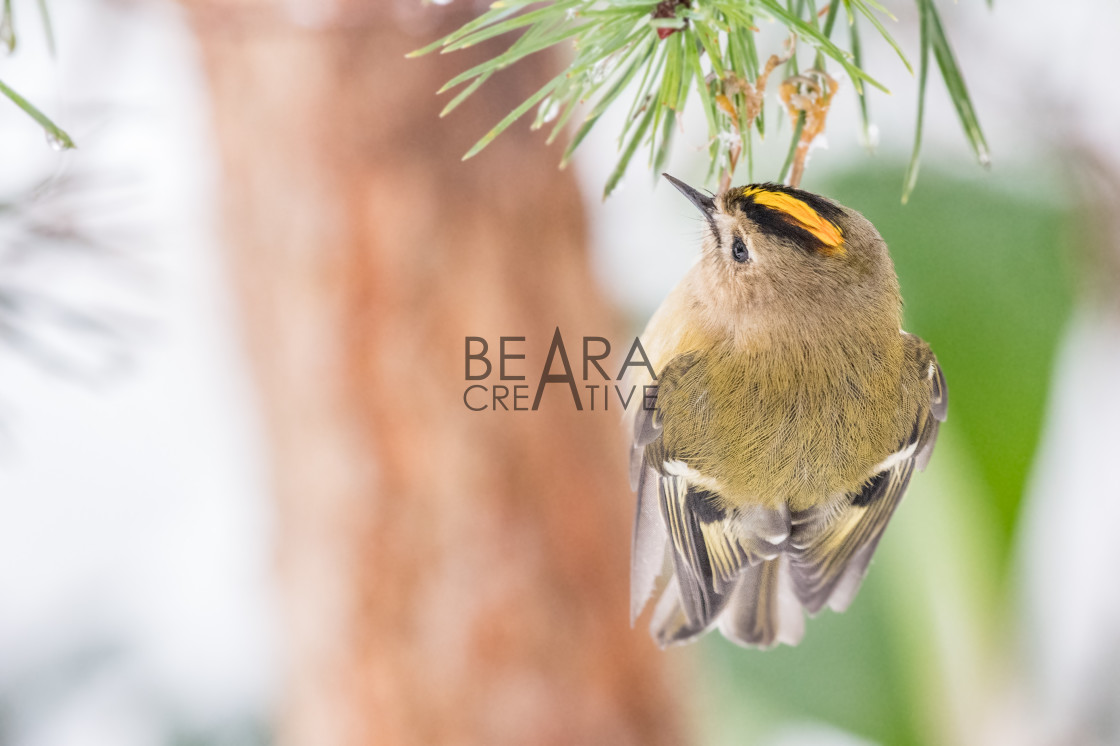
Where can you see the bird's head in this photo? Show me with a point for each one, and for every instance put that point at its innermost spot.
(772, 250)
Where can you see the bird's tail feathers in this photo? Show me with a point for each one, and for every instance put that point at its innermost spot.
(763, 609)
(669, 624)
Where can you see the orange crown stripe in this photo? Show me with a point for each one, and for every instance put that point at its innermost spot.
(824, 230)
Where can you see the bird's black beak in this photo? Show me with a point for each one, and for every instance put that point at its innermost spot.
(703, 202)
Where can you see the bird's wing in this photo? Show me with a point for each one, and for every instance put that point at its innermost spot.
(831, 549)
(699, 598)
(647, 550)
(708, 546)
(714, 553)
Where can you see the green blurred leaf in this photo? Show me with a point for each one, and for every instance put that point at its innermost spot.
(985, 276)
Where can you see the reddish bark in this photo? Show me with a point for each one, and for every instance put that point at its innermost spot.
(449, 576)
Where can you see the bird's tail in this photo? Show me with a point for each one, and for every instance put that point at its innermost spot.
(761, 610)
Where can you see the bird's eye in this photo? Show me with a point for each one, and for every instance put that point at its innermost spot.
(739, 250)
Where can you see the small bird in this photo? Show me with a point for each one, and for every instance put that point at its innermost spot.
(787, 416)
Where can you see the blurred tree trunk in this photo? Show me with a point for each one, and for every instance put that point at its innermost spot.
(448, 576)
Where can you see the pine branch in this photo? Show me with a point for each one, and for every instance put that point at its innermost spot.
(56, 136)
(659, 52)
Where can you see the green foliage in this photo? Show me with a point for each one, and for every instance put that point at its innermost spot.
(56, 136)
(659, 52)
(986, 283)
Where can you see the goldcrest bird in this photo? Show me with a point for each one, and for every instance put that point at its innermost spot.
(788, 415)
